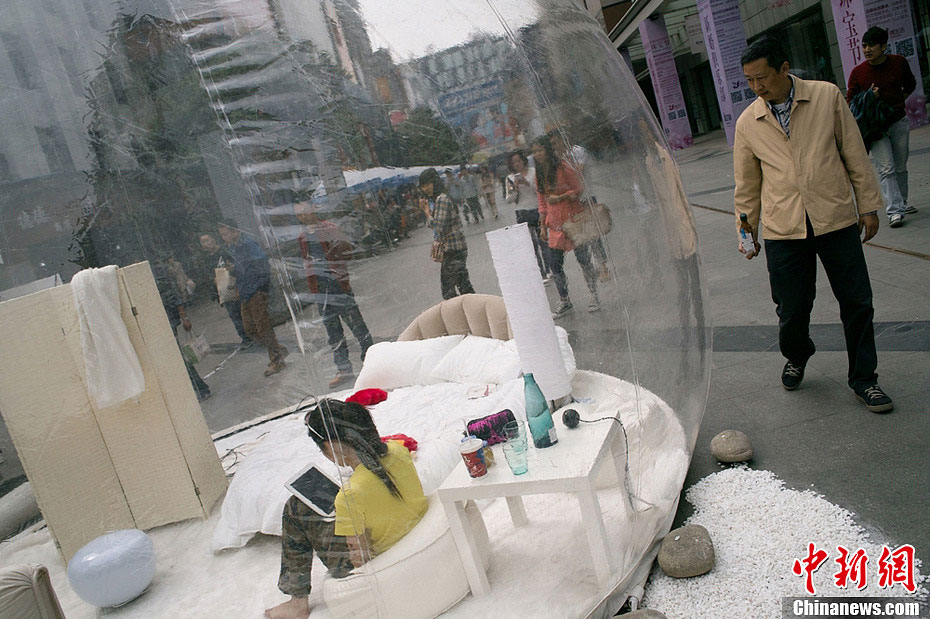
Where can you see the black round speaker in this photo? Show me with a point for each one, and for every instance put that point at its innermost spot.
(570, 418)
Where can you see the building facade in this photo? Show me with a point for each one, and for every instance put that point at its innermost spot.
(808, 28)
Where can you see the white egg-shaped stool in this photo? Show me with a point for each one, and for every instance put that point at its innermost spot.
(419, 577)
(113, 569)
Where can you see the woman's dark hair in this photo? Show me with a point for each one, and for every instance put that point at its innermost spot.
(875, 36)
(430, 175)
(546, 170)
(516, 153)
(766, 47)
(351, 423)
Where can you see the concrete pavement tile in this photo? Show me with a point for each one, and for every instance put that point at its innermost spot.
(758, 372)
(905, 374)
(884, 456)
(774, 408)
(727, 359)
(716, 395)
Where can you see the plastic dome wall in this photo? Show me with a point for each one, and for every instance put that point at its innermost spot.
(132, 128)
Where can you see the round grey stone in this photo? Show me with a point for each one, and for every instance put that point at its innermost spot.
(645, 613)
(686, 552)
(731, 446)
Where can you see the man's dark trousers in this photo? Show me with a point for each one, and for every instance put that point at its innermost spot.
(336, 309)
(234, 309)
(792, 266)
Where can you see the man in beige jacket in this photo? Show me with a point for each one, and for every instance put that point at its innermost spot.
(798, 157)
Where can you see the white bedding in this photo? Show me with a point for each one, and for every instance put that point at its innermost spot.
(534, 572)
(434, 415)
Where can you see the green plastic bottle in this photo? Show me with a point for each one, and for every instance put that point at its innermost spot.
(538, 415)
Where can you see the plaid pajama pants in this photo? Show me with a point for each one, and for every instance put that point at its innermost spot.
(305, 532)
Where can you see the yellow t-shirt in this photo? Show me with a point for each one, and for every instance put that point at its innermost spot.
(365, 506)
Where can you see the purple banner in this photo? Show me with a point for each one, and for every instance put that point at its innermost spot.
(895, 17)
(665, 83)
(850, 23)
(725, 40)
(625, 54)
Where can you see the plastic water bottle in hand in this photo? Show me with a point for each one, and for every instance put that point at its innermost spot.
(745, 235)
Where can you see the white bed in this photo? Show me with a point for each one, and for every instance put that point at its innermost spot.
(228, 564)
(433, 415)
(533, 572)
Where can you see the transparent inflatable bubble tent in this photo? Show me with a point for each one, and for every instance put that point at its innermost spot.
(369, 308)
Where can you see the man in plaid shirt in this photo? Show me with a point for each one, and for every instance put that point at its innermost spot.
(449, 248)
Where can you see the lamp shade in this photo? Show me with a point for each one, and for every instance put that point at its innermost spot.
(528, 309)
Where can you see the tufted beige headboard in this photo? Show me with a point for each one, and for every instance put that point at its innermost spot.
(477, 314)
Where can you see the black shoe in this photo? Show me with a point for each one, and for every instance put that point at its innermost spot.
(792, 376)
(874, 398)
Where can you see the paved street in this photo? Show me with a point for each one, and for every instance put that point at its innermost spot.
(818, 437)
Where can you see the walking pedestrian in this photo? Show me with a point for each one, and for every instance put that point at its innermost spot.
(455, 191)
(326, 251)
(796, 154)
(232, 306)
(470, 186)
(521, 193)
(559, 192)
(579, 157)
(889, 77)
(449, 248)
(253, 280)
(176, 311)
(488, 190)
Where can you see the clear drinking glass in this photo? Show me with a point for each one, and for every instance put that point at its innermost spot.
(515, 432)
(515, 449)
(516, 457)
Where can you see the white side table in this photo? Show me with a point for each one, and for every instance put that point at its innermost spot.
(571, 466)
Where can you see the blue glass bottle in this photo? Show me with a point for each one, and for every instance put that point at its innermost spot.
(538, 415)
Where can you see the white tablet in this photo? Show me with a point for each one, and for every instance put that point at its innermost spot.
(316, 489)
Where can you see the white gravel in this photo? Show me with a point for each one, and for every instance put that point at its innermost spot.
(759, 528)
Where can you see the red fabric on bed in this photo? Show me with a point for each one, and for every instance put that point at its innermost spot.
(408, 442)
(368, 397)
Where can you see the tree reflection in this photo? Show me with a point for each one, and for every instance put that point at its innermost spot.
(148, 116)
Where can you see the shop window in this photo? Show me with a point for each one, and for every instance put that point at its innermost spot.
(805, 40)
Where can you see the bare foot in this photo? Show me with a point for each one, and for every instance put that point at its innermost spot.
(294, 608)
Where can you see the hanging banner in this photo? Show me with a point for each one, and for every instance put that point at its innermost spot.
(725, 40)
(895, 17)
(695, 36)
(625, 54)
(665, 82)
(850, 23)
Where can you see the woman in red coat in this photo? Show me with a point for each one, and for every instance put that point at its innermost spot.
(559, 190)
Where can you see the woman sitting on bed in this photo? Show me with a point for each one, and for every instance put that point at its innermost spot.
(379, 504)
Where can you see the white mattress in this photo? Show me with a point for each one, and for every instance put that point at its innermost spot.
(433, 415)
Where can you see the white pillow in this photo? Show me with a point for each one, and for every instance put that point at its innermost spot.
(390, 365)
(485, 360)
(479, 360)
